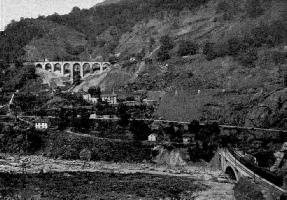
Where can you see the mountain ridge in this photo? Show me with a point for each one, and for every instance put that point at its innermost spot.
(184, 47)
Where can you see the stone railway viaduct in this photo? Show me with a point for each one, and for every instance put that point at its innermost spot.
(72, 67)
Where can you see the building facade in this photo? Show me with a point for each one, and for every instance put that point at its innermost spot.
(152, 137)
(42, 124)
(110, 98)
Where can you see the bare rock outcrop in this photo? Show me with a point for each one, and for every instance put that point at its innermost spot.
(174, 157)
(270, 112)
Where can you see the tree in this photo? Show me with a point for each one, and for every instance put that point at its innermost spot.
(166, 42)
(140, 130)
(247, 58)
(234, 46)
(162, 54)
(253, 8)
(63, 118)
(95, 91)
(209, 50)
(187, 48)
(166, 45)
(123, 114)
(193, 127)
(75, 10)
(177, 135)
(77, 79)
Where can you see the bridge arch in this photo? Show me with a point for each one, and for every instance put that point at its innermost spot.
(38, 65)
(57, 67)
(231, 172)
(106, 65)
(48, 67)
(96, 67)
(86, 69)
(67, 68)
(76, 69)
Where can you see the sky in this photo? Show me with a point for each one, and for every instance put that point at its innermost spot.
(15, 9)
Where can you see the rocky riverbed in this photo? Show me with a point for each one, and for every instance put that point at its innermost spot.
(142, 180)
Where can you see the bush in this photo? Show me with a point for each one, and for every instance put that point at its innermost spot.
(253, 8)
(140, 130)
(187, 48)
(163, 55)
(279, 57)
(247, 58)
(166, 42)
(245, 190)
(209, 51)
(75, 50)
(166, 45)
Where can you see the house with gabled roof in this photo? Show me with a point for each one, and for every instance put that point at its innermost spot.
(42, 124)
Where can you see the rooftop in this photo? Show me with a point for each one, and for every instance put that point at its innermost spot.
(109, 95)
(42, 120)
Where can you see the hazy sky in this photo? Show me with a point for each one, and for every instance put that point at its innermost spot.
(15, 9)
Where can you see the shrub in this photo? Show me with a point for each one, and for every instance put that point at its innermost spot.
(162, 54)
(253, 8)
(222, 6)
(247, 58)
(234, 46)
(113, 60)
(166, 42)
(140, 130)
(166, 45)
(75, 50)
(279, 57)
(209, 51)
(245, 190)
(187, 48)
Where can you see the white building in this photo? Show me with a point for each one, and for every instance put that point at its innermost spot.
(110, 98)
(42, 124)
(152, 137)
(91, 99)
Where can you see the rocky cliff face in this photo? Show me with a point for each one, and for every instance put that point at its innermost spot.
(261, 109)
(271, 112)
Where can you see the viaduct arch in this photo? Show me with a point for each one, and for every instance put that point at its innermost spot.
(73, 68)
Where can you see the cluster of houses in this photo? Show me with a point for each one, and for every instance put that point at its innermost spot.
(186, 139)
(44, 124)
(109, 98)
(135, 98)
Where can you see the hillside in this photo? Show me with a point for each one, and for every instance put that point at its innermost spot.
(232, 51)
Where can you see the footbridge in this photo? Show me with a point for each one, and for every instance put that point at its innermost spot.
(71, 68)
(231, 165)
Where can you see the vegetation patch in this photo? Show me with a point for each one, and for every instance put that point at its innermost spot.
(87, 185)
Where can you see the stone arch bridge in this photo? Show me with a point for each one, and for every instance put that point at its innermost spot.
(232, 166)
(72, 68)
